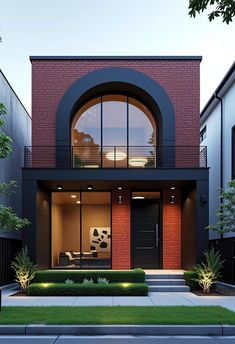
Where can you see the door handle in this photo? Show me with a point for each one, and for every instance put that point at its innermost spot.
(156, 235)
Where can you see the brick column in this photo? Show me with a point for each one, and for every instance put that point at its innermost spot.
(171, 230)
(121, 230)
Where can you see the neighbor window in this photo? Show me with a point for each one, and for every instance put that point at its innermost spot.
(203, 134)
(233, 152)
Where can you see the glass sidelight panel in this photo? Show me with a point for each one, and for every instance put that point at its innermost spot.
(65, 229)
(96, 230)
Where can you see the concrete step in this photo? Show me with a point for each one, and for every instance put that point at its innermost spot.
(169, 288)
(157, 282)
(164, 276)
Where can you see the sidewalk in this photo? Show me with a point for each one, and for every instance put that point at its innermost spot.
(153, 299)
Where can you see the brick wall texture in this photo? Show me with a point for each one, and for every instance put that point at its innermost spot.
(179, 78)
(121, 230)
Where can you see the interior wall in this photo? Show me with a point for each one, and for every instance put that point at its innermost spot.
(57, 233)
(93, 216)
(71, 228)
(188, 228)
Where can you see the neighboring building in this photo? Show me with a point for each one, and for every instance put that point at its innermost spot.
(115, 177)
(218, 134)
(18, 127)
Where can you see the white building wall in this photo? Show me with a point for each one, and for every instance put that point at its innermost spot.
(212, 141)
(229, 122)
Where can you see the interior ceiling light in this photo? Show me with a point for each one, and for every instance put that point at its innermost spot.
(172, 187)
(73, 196)
(59, 187)
(138, 162)
(89, 187)
(78, 202)
(119, 187)
(116, 156)
(138, 197)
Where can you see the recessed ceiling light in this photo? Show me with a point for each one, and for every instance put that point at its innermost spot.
(138, 162)
(89, 187)
(73, 196)
(119, 187)
(116, 156)
(138, 197)
(172, 187)
(78, 202)
(59, 187)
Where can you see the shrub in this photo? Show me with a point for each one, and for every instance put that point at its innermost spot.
(81, 289)
(68, 281)
(102, 280)
(114, 276)
(190, 278)
(24, 269)
(88, 281)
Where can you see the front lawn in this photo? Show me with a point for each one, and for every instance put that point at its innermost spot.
(177, 315)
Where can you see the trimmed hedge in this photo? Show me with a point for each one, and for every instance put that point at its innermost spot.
(189, 278)
(79, 289)
(114, 276)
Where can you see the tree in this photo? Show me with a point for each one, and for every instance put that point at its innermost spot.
(223, 8)
(226, 212)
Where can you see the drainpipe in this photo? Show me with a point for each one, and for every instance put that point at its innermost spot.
(221, 146)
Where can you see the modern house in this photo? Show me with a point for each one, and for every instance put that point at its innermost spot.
(18, 127)
(218, 134)
(115, 177)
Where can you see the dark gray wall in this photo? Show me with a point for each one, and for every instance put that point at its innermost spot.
(188, 234)
(18, 127)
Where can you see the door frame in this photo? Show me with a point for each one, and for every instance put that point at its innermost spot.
(159, 201)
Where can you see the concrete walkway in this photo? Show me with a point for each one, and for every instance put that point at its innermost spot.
(153, 299)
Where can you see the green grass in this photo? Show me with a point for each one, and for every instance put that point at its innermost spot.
(184, 315)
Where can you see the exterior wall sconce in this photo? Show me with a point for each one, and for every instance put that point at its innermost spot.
(120, 201)
(172, 199)
(203, 199)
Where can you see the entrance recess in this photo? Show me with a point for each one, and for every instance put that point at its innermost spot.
(145, 233)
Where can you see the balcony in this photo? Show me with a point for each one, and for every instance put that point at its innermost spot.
(81, 157)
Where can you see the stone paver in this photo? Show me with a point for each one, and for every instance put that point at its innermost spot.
(132, 301)
(94, 301)
(153, 299)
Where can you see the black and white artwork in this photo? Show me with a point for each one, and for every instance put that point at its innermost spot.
(100, 239)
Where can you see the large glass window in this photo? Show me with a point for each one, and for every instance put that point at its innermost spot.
(81, 230)
(114, 131)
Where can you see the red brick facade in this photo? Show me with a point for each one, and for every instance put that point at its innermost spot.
(51, 79)
(171, 230)
(121, 230)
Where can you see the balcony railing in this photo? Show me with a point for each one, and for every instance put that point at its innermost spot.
(115, 157)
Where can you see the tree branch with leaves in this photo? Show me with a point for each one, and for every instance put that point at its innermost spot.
(223, 8)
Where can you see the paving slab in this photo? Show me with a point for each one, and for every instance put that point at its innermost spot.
(56, 301)
(170, 300)
(28, 340)
(132, 301)
(24, 301)
(94, 301)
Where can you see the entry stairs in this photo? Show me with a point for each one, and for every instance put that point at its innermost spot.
(172, 282)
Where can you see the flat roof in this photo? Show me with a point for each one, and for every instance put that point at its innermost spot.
(115, 58)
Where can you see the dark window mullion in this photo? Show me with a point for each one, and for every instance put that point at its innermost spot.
(101, 128)
(127, 140)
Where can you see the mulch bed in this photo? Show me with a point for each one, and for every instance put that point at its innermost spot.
(222, 292)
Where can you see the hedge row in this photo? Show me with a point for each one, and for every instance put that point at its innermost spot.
(79, 289)
(114, 276)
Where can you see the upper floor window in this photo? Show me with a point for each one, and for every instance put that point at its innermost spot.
(203, 134)
(113, 128)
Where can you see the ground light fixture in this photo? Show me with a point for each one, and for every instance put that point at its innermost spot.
(172, 187)
(119, 187)
(172, 199)
(73, 196)
(138, 197)
(78, 202)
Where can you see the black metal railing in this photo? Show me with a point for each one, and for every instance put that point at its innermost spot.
(115, 157)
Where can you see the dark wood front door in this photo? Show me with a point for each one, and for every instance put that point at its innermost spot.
(145, 234)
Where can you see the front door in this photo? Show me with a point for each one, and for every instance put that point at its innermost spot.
(145, 234)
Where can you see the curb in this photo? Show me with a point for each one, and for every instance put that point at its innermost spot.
(147, 330)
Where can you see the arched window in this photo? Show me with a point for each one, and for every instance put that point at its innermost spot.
(113, 131)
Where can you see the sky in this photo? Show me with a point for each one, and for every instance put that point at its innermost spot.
(110, 27)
